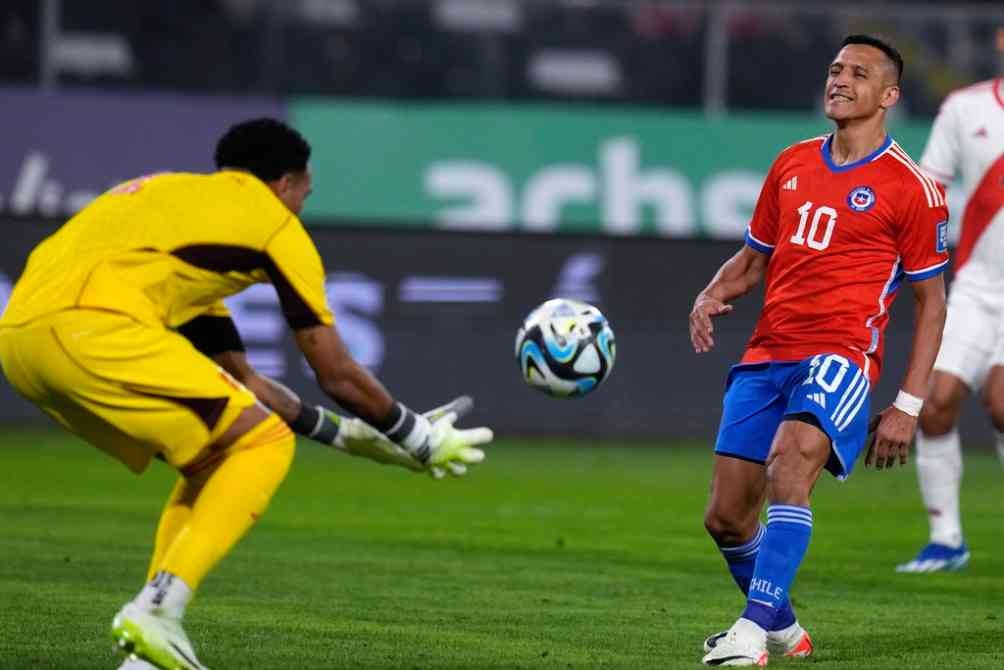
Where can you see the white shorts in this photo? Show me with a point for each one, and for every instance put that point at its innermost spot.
(973, 340)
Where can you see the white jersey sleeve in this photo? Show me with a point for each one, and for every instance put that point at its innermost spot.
(967, 143)
(942, 154)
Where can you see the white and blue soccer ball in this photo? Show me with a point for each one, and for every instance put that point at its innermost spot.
(565, 348)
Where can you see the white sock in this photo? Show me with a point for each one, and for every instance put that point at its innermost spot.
(165, 593)
(999, 442)
(939, 470)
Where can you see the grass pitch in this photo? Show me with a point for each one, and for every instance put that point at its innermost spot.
(551, 555)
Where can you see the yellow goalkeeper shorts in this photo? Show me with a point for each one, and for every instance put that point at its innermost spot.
(133, 390)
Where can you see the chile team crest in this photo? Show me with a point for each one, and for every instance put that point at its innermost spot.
(861, 198)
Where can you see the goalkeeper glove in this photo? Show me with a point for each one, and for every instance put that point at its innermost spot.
(357, 438)
(453, 449)
(448, 449)
(433, 439)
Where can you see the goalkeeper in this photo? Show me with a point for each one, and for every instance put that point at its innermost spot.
(117, 330)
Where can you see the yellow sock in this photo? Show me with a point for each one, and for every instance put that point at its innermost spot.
(209, 513)
(176, 514)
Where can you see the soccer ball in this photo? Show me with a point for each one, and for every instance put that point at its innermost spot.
(565, 348)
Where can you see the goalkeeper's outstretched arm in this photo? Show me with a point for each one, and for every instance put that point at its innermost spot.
(431, 437)
(351, 436)
(444, 448)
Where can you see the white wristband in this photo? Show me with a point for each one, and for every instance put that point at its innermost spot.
(908, 404)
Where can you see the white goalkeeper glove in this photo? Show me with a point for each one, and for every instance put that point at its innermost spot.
(357, 438)
(451, 450)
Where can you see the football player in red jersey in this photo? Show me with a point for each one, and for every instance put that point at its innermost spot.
(840, 222)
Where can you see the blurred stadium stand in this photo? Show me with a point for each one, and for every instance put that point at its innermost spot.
(715, 55)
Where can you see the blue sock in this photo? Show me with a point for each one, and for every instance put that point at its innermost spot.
(782, 549)
(741, 561)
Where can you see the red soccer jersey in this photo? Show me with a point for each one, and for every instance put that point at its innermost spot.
(841, 238)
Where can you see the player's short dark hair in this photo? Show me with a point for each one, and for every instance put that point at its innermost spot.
(267, 148)
(880, 44)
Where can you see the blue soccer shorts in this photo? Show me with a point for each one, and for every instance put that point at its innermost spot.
(759, 396)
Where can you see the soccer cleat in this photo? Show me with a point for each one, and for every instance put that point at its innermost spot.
(793, 642)
(712, 640)
(937, 558)
(155, 638)
(745, 644)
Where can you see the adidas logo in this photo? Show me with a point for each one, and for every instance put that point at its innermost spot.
(790, 185)
(982, 132)
(818, 398)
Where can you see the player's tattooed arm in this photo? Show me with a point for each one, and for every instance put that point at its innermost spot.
(894, 427)
(277, 397)
(735, 278)
(216, 336)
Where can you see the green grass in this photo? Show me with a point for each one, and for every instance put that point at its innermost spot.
(551, 555)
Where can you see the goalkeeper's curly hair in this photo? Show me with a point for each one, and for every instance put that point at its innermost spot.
(267, 148)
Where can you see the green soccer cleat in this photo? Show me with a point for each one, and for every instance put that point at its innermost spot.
(155, 638)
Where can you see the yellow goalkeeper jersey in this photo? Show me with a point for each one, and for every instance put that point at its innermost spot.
(166, 248)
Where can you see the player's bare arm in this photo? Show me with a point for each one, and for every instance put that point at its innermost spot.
(353, 436)
(895, 426)
(217, 337)
(341, 377)
(430, 438)
(349, 435)
(277, 397)
(735, 278)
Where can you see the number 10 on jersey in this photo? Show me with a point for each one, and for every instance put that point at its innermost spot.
(815, 239)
